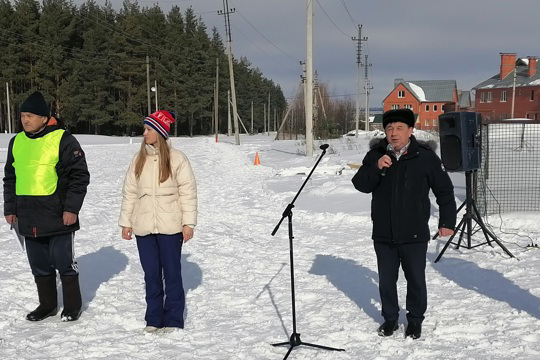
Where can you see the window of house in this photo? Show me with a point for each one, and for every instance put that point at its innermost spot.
(435, 122)
(489, 96)
(503, 96)
(401, 94)
(435, 108)
(532, 95)
(407, 106)
(427, 107)
(394, 107)
(527, 115)
(427, 122)
(482, 97)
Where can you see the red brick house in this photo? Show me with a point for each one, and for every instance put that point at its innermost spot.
(517, 86)
(426, 98)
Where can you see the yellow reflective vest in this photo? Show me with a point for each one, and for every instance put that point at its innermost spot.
(35, 163)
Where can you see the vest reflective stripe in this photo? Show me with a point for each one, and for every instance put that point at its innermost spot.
(35, 163)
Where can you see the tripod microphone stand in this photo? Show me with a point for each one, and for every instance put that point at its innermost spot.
(294, 339)
(471, 213)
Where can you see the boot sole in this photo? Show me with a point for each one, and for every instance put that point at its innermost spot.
(71, 317)
(52, 313)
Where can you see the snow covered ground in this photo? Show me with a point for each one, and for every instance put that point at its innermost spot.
(482, 304)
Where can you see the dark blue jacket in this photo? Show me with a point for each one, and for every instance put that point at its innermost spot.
(400, 205)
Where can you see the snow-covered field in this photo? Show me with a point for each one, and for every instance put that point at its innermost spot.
(482, 304)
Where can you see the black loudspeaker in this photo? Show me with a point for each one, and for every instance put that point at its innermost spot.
(460, 140)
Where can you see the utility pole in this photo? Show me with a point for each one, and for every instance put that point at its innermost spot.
(358, 40)
(229, 124)
(216, 102)
(268, 116)
(367, 87)
(513, 93)
(308, 96)
(316, 121)
(264, 118)
(275, 118)
(226, 11)
(155, 89)
(8, 108)
(148, 83)
(251, 118)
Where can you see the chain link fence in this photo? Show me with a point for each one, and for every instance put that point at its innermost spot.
(509, 176)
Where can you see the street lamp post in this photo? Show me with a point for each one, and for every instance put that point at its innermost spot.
(154, 89)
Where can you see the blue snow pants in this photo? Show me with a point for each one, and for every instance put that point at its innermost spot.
(160, 259)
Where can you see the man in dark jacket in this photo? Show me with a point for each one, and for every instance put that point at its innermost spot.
(399, 172)
(45, 183)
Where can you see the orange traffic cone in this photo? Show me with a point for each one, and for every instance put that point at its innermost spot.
(257, 160)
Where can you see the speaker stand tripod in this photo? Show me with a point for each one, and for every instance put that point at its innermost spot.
(294, 339)
(471, 214)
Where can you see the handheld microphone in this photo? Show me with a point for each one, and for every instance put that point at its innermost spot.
(324, 146)
(389, 151)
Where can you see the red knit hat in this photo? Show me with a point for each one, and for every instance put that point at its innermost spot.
(160, 121)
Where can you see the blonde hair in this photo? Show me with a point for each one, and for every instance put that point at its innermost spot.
(164, 160)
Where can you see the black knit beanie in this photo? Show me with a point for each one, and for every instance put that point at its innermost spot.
(35, 104)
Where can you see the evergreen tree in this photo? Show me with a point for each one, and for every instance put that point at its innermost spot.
(198, 73)
(89, 101)
(28, 47)
(7, 58)
(56, 32)
(130, 82)
(172, 64)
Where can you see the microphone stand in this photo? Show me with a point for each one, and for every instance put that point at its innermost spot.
(294, 339)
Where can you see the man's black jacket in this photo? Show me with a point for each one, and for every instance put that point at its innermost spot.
(43, 215)
(400, 206)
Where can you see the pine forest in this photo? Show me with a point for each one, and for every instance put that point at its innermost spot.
(95, 64)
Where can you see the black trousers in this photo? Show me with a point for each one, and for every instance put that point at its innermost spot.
(412, 258)
(50, 253)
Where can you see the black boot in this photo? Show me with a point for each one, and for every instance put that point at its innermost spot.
(72, 298)
(48, 303)
(387, 328)
(414, 330)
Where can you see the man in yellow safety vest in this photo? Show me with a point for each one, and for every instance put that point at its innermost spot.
(46, 178)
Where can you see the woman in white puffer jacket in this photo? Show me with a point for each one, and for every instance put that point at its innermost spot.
(159, 207)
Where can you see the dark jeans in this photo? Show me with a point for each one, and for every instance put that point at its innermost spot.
(160, 260)
(412, 258)
(49, 253)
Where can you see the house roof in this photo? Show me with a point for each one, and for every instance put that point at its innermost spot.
(377, 119)
(522, 78)
(464, 99)
(430, 90)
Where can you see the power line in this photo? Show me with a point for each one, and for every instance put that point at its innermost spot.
(332, 21)
(348, 12)
(263, 51)
(265, 38)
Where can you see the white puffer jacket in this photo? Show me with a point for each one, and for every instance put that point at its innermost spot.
(150, 207)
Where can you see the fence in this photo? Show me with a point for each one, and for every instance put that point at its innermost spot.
(509, 176)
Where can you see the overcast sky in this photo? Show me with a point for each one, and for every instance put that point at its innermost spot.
(414, 40)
